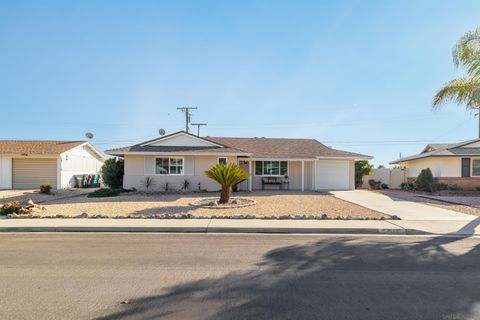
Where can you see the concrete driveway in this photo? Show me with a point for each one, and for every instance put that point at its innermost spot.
(406, 210)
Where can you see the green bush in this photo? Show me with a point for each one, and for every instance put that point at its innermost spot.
(362, 168)
(105, 192)
(408, 186)
(477, 188)
(9, 208)
(424, 181)
(45, 188)
(439, 186)
(112, 173)
(454, 187)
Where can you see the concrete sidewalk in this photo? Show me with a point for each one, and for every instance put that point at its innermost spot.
(468, 228)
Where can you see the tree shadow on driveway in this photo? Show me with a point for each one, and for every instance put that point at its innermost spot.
(336, 278)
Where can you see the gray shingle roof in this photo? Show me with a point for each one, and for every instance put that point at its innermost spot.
(444, 150)
(255, 147)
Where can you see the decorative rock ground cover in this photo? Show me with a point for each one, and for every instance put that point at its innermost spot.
(269, 205)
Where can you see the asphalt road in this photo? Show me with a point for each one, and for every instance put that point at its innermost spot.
(175, 276)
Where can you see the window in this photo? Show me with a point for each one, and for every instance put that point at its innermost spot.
(222, 160)
(271, 168)
(169, 166)
(476, 167)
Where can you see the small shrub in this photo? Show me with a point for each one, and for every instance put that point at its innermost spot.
(424, 181)
(408, 186)
(384, 186)
(186, 184)
(9, 208)
(477, 188)
(106, 192)
(147, 183)
(45, 188)
(454, 187)
(112, 173)
(374, 185)
(439, 186)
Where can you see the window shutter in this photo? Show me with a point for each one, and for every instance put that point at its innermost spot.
(465, 167)
(189, 166)
(149, 165)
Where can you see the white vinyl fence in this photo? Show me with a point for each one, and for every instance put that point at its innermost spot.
(392, 177)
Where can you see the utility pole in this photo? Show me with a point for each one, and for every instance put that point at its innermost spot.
(198, 127)
(188, 114)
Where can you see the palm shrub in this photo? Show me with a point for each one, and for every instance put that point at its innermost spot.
(465, 89)
(112, 172)
(227, 176)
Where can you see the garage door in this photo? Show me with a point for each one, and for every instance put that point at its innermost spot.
(332, 175)
(31, 173)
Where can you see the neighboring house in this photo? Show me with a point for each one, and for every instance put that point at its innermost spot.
(26, 164)
(453, 164)
(299, 164)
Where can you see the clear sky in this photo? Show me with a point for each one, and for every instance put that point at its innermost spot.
(356, 75)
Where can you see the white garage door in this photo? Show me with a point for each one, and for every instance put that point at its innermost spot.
(332, 175)
(31, 173)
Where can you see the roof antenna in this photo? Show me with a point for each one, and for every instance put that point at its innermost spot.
(188, 115)
(89, 135)
(161, 132)
(198, 127)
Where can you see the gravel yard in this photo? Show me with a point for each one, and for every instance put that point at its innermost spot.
(470, 204)
(269, 204)
(37, 197)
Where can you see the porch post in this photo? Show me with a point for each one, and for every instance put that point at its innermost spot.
(303, 175)
(250, 177)
(313, 174)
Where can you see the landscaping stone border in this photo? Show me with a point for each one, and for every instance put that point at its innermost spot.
(212, 203)
(189, 216)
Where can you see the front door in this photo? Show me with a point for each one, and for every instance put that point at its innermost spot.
(243, 186)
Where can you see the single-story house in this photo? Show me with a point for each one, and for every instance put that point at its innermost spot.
(453, 164)
(294, 164)
(26, 164)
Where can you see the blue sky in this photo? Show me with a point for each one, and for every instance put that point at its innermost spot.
(356, 75)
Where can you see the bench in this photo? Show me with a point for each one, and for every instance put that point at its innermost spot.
(272, 180)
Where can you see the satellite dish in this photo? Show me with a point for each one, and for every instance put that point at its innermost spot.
(89, 135)
(161, 132)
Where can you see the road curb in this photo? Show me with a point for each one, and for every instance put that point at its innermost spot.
(212, 230)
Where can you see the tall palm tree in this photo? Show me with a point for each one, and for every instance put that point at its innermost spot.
(464, 90)
(227, 176)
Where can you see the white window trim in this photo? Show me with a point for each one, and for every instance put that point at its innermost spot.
(271, 175)
(218, 159)
(168, 174)
(471, 167)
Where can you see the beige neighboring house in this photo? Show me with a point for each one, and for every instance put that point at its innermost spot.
(26, 164)
(293, 164)
(453, 164)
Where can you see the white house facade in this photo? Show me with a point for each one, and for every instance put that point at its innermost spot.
(26, 164)
(179, 161)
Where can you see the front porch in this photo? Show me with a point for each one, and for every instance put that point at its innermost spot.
(298, 175)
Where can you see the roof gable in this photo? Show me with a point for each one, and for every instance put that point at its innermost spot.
(181, 139)
(473, 144)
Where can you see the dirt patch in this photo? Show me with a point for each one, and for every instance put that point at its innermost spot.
(269, 203)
